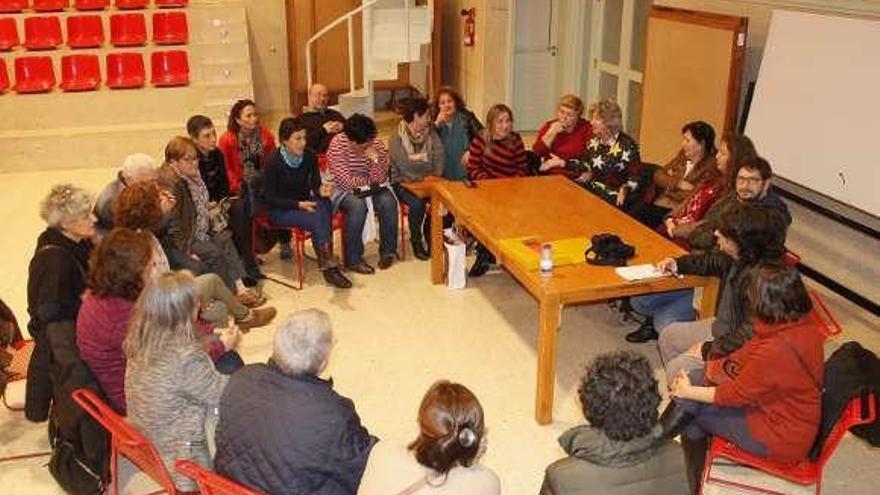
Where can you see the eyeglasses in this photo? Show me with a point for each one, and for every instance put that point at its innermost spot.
(749, 180)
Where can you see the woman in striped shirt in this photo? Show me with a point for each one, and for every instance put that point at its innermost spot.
(495, 153)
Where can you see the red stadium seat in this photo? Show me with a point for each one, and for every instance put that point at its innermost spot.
(80, 72)
(170, 28)
(50, 5)
(171, 3)
(131, 4)
(128, 30)
(8, 34)
(169, 68)
(125, 70)
(85, 31)
(34, 74)
(12, 6)
(4, 76)
(91, 4)
(42, 33)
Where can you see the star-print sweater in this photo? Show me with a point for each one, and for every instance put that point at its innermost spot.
(612, 165)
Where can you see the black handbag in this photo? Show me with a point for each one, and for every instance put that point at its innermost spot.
(608, 250)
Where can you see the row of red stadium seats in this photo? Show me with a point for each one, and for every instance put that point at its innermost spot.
(12, 6)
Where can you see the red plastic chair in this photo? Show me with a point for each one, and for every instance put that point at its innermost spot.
(171, 3)
(126, 441)
(823, 316)
(4, 76)
(12, 6)
(91, 4)
(34, 75)
(50, 5)
(170, 28)
(128, 30)
(8, 34)
(85, 31)
(42, 32)
(805, 472)
(169, 68)
(125, 70)
(211, 483)
(80, 72)
(131, 4)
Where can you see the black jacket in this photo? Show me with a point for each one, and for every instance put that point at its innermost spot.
(850, 372)
(289, 435)
(212, 168)
(86, 439)
(317, 139)
(56, 280)
(285, 187)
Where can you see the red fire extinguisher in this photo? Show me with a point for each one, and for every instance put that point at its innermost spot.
(470, 26)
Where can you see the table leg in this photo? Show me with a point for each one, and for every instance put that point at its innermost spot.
(437, 249)
(709, 299)
(548, 324)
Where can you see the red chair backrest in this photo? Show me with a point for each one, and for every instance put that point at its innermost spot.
(170, 28)
(131, 4)
(91, 4)
(211, 483)
(125, 70)
(125, 439)
(10, 6)
(853, 415)
(169, 68)
(80, 72)
(34, 74)
(171, 3)
(128, 29)
(50, 5)
(85, 31)
(8, 34)
(42, 32)
(4, 76)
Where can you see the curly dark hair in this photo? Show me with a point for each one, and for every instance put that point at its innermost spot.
(447, 90)
(619, 395)
(117, 265)
(758, 231)
(359, 128)
(138, 207)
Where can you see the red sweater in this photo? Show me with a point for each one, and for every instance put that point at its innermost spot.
(777, 389)
(566, 145)
(228, 145)
(506, 158)
(101, 327)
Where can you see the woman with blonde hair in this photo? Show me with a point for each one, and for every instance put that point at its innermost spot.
(444, 458)
(170, 382)
(56, 280)
(610, 164)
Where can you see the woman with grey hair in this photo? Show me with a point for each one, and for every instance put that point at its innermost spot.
(171, 385)
(610, 164)
(56, 280)
(285, 430)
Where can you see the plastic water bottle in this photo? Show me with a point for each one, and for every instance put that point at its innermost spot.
(546, 263)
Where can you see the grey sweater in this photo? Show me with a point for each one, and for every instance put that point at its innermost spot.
(405, 170)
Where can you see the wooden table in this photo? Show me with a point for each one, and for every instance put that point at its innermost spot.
(554, 208)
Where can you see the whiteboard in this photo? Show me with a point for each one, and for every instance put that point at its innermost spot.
(816, 110)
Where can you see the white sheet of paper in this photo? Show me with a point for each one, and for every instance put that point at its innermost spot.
(639, 272)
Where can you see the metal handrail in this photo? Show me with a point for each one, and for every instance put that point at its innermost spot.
(348, 18)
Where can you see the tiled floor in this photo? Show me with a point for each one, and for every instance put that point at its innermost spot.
(396, 334)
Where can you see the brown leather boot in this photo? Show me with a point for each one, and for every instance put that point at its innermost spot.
(330, 268)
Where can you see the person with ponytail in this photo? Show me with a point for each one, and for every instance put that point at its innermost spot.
(444, 458)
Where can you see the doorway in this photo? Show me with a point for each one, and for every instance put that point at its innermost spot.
(534, 62)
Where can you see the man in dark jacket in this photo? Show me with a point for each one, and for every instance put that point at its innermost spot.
(284, 430)
(748, 235)
(322, 122)
(753, 188)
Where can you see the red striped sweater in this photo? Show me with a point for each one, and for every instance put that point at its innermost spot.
(505, 158)
(351, 170)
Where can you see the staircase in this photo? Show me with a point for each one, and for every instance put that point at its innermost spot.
(394, 32)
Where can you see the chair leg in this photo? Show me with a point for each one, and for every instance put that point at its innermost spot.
(401, 246)
(114, 468)
(299, 246)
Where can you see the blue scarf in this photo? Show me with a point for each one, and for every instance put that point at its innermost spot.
(291, 160)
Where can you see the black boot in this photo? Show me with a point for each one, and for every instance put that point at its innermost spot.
(694, 460)
(644, 333)
(426, 232)
(673, 420)
(419, 250)
(330, 269)
(482, 263)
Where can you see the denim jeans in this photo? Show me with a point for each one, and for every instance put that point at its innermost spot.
(229, 362)
(355, 210)
(728, 423)
(666, 307)
(319, 223)
(417, 208)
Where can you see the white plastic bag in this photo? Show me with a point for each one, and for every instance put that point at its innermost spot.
(456, 260)
(369, 233)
